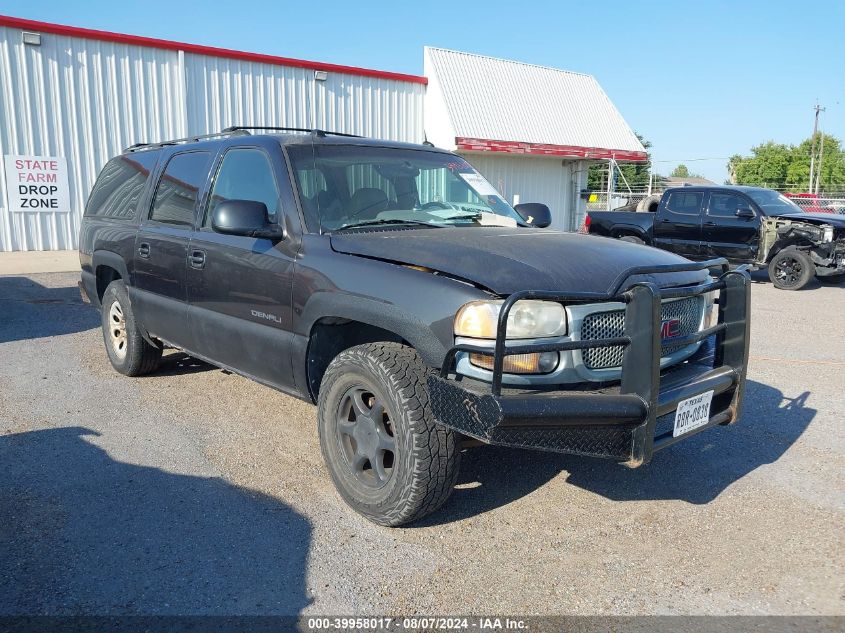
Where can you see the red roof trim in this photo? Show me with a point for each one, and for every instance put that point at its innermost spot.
(151, 42)
(541, 149)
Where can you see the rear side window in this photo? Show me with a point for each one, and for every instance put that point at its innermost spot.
(175, 199)
(685, 202)
(120, 185)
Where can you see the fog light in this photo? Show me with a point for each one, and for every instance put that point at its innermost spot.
(520, 363)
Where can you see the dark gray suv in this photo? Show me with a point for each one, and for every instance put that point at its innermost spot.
(392, 285)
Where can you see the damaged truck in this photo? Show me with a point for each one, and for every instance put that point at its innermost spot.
(394, 287)
(745, 225)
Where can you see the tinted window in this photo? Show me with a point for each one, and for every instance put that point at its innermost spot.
(119, 186)
(343, 186)
(685, 202)
(176, 194)
(726, 204)
(245, 174)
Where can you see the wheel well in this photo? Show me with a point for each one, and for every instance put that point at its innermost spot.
(105, 275)
(331, 336)
(627, 232)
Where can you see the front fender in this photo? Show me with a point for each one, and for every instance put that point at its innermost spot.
(418, 306)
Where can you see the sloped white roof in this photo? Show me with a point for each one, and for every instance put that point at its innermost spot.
(476, 97)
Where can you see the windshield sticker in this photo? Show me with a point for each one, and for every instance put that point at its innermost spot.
(494, 219)
(479, 184)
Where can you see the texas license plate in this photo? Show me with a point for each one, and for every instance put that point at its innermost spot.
(692, 413)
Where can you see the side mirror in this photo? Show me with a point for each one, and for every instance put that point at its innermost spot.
(245, 217)
(535, 213)
(744, 212)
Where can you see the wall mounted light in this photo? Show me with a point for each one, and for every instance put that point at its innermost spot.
(31, 39)
(320, 75)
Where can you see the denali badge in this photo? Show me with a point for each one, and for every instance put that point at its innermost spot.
(670, 328)
(264, 315)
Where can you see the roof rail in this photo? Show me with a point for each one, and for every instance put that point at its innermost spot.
(314, 131)
(188, 139)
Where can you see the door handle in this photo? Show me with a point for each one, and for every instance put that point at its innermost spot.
(196, 259)
(144, 250)
(709, 224)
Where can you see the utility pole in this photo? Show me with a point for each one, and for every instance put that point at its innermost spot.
(821, 159)
(818, 109)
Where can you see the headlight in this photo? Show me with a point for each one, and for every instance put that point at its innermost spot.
(527, 319)
(827, 236)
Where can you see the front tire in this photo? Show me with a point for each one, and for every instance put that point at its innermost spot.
(388, 457)
(791, 269)
(129, 352)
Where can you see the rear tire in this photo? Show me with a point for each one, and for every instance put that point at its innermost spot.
(791, 269)
(633, 239)
(388, 457)
(129, 352)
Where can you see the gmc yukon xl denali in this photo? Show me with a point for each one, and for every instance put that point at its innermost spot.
(394, 287)
(745, 225)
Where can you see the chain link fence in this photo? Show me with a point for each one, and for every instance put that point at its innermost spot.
(643, 201)
(813, 204)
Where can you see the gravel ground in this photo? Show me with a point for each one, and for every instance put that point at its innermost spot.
(194, 491)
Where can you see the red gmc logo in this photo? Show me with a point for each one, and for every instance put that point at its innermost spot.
(670, 328)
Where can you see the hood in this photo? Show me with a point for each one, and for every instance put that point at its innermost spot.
(506, 260)
(834, 219)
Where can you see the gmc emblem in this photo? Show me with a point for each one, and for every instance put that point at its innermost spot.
(670, 328)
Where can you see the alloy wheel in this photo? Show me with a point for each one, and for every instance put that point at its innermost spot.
(789, 271)
(366, 437)
(117, 329)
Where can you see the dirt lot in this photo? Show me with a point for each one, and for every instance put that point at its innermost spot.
(196, 491)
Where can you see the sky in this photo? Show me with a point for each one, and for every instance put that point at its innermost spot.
(702, 81)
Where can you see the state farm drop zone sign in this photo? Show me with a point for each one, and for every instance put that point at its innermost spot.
(37, 183)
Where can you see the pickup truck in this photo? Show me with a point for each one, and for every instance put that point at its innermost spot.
(745, 225)
(393, 286)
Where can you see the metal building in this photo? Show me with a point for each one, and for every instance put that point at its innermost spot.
(531, 130)
(71, 98)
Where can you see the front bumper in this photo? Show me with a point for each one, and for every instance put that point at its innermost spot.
(626, 421)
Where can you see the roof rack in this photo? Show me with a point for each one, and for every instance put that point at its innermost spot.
(314, 131)
(232, 131)
(188, 139)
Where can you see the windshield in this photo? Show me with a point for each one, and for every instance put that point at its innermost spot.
(772, 202)
(342, 186)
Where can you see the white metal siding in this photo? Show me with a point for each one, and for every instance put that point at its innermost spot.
(86, 100)
(497, 99)
(552, 181)
(224, 92)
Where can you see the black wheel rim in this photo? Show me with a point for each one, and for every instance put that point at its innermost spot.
(788, 271)
(366, 437)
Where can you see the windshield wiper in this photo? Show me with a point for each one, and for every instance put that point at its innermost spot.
(377, 222)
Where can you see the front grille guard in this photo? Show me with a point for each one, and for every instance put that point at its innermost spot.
(642, 341)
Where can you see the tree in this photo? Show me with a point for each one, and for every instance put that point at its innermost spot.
(787, 167)
(635, 174)
(680, 171)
